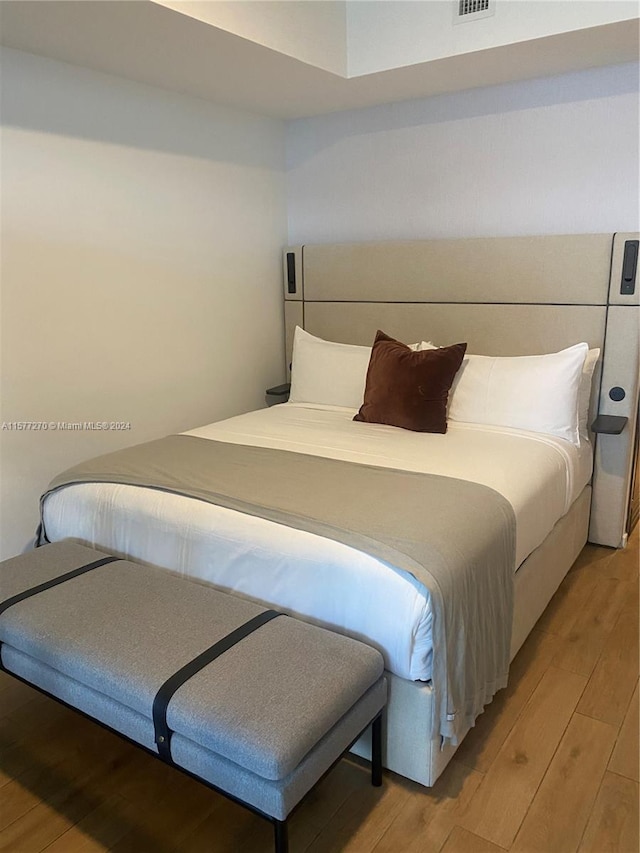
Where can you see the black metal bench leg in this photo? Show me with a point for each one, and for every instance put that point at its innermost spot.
(376, 751)
(281, 831)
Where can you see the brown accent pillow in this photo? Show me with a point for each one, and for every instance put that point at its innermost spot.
(409, 389)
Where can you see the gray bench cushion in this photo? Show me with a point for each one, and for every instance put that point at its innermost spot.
(118, 632)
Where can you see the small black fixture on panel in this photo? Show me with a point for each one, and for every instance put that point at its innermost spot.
(629, 267)
(617, 393)
(291, 272)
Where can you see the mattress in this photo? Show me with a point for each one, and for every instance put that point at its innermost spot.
(318, 579)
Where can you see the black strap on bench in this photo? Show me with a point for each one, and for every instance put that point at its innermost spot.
(165, 693)
(41, 587)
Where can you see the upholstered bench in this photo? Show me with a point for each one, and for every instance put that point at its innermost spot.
(254, 703)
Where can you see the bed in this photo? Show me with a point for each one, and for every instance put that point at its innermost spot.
(338, 292)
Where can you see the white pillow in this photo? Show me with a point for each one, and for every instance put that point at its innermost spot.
(328, 373)
(534, 392)
(584, 394)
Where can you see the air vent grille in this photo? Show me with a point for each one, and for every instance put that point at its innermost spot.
(470, 7)
(471, 10)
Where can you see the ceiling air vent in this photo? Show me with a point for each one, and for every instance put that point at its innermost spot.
(471, 10)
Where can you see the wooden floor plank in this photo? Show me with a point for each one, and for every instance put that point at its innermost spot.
(71, 787)
(22, 722)
(229, 828)
(627, 561)
(566, 605)
(35, 830)
(625, 758)
(95, 833)
(585, 637)
(610, 687)
(253, 835)
(482, 744)
(562, 806)
(502, 800)
(18, 799)
(43, 748)
(14, 694)
(621, 563)
(463, 841)
(42, 782)
(595, 558)
(326, 799)
(429, 814)
(47, 802)
(613, 825)
(363, 819)
(64, 753)
(165, 823)
(145, 780)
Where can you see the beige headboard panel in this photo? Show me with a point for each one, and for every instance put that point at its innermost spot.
(523, 329)
(504, 296)
(514, 269)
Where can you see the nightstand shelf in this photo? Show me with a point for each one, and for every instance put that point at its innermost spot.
(281, 392)
(609, 424)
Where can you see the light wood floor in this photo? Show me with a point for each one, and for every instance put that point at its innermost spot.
(552, 765)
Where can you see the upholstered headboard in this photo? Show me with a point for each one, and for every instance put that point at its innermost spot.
(504, 296)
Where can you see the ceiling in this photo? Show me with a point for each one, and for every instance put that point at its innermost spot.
(149, 43)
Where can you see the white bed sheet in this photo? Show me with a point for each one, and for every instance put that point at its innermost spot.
(324, 581)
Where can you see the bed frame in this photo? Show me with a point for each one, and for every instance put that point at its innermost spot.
(504, 296)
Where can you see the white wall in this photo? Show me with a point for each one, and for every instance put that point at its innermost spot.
(384, 34)
(556, 155)
(314, 31)
(141, 240)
